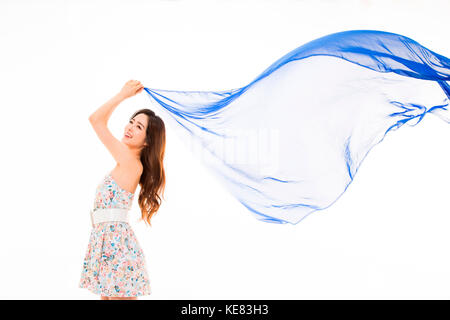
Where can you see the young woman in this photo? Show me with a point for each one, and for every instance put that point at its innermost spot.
(114, 265)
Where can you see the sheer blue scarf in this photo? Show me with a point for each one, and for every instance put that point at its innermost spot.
(290, 142)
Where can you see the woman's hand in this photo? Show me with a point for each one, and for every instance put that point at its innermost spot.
(131, 88)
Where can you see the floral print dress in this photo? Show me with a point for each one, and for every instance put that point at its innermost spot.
(114, 264)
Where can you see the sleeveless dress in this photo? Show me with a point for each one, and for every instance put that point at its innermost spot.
(114, 264)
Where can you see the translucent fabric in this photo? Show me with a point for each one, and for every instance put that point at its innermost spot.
(290, 142)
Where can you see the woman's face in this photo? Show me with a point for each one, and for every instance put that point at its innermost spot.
(135, 131)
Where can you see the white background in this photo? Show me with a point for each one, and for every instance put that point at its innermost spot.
(385, 238)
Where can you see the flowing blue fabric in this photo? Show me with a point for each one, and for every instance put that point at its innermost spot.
(290, 142)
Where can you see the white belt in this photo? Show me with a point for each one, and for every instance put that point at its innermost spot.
(111, 214)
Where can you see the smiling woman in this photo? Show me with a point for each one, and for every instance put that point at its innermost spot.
(114, 266)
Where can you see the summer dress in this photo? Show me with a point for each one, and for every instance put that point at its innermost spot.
(114, 264)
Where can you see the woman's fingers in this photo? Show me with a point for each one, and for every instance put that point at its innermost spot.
(133, 87)
(133, 81)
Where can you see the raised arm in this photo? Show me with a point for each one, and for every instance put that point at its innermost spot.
(99, 121)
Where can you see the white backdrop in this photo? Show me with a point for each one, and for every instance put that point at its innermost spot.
(385, 238)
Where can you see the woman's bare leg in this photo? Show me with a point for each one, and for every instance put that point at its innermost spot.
(104, 298)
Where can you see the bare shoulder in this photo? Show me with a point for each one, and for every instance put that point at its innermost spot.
(128, 174)
(132, 166)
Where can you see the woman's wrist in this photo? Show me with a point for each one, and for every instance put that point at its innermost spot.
(121, 96)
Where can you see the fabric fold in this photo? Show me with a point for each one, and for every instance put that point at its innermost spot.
(291, 141)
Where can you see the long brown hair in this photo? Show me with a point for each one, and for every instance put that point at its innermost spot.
(153, 178)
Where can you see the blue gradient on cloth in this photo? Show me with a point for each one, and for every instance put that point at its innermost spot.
(290, 142)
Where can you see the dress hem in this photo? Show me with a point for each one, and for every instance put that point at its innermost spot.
(97, 292)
